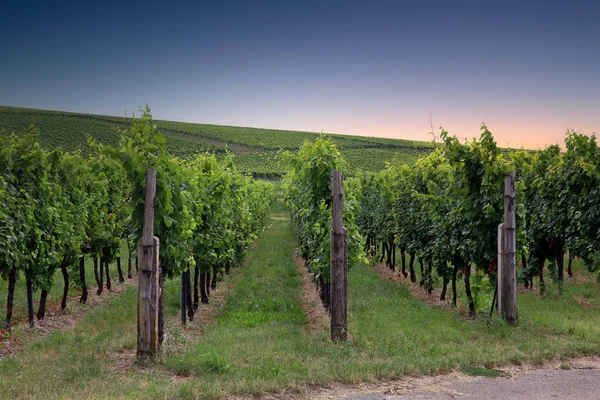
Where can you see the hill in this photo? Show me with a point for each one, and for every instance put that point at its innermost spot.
(256, 150)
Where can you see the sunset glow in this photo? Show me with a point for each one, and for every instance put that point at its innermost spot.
(529, 71)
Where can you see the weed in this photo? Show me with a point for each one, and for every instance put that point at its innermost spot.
(482, 371)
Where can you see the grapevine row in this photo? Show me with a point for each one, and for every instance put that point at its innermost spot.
(58, 207)
(444, 212)
(308, 195)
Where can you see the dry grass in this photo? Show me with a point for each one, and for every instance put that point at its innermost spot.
(316, 314)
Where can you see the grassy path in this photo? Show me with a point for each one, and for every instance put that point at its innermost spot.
(260, 342)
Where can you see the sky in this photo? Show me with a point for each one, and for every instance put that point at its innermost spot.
(529, 70)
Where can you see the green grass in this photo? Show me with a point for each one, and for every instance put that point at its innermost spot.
(83, 361)
(482, 371)
(256, 149)
(260, 343)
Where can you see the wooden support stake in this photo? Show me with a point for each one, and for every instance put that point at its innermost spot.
(339, 264)
(183, 296)
(508, 297)
(500, 267)
(148, 282)
(30, 317)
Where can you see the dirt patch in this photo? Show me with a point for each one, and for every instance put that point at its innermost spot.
(120, 361)
(386, 273)
(386, 387)
(582, 301)
(316, 314)
(10, 342)
(589, 362)
(393, 387)
(204, 318)
(581, 278)
(55, 319)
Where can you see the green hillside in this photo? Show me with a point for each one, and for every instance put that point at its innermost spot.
(256, 149)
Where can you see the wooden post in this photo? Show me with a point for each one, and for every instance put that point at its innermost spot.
(500, 269)
(509, 264)
(30, 317)
(339, 264)
(148, 285)
(183, 296)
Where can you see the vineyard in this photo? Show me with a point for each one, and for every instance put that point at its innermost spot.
(444, 212)
(60, 208)
(246, 259)
(256, 150)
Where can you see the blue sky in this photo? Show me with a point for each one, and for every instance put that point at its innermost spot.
(529, 71)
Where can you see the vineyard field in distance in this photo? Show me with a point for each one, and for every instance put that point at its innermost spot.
(256, 150)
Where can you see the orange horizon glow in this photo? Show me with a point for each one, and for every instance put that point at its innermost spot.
(530, 136)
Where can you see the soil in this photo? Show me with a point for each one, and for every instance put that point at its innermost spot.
(316, 314)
